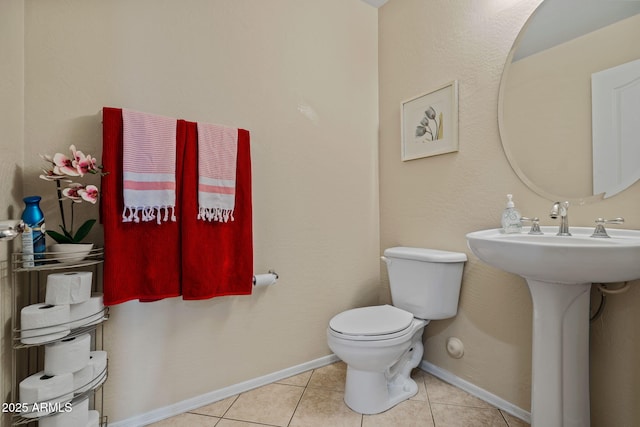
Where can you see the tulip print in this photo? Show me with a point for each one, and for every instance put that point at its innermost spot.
(424, 129)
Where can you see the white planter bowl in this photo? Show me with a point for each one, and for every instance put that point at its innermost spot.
(71, 252)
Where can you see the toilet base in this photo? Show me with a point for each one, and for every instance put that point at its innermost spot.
(368, 392)
(379, 395)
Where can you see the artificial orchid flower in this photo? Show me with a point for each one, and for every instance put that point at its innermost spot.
(61, 167)
(72, 192)
(89, 194)
(49, 174)
(83, 165)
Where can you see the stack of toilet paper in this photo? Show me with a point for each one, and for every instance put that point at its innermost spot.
(76, 415)
(70, 368)
(68, 304)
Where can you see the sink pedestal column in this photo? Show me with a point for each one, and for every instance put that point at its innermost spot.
(560, 371)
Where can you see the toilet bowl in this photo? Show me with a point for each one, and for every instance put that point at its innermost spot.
(382, 344)
(378, 364)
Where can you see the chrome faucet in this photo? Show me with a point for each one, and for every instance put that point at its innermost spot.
(561, 209)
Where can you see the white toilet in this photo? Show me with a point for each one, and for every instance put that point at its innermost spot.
(382, 344)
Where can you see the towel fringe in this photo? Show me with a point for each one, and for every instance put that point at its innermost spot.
(215, 214)
(148, 213)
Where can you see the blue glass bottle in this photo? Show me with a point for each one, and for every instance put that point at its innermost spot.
(33, 241)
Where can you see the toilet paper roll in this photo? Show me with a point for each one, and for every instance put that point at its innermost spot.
(90, 312)
(45, 393)
(44, 322)
(264, 279)
(68, 355)
(68, 288)
(82, 379)
(98, 360)
(76, 415)
(92, 375)
(94, 419)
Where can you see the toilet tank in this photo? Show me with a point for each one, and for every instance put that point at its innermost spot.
(425, 282)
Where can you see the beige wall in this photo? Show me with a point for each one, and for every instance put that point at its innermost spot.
(433, 202)
(310, 101)
(11, 147)
(301, 75)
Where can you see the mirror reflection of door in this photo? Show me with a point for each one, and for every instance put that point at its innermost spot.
(615, 98)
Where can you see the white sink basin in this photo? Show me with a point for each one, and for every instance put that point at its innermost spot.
(578, 258)
(559, 271)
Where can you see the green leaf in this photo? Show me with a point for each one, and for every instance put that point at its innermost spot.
(83, 230)
(66, 233)
(60, 238)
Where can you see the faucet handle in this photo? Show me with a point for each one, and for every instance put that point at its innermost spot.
(600, 231)
(10, 229)
(535, 225)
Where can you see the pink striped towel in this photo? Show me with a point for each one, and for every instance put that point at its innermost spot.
(217, 153)
(148, 167)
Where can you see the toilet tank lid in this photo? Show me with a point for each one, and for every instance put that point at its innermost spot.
(423, 254)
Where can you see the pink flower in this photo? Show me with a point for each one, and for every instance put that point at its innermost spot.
(72, 192)
(60, 169)
(75, 153)
(63, 165)
(89, 193)
(78, 192)
(83, 164)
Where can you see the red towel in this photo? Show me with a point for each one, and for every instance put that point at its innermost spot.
(194, 258)
(142, 260)
(217, 257)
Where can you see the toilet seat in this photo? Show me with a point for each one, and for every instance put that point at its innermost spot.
(372, 323)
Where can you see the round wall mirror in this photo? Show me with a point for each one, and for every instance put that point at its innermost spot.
(554, 132)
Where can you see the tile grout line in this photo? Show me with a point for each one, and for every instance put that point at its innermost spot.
(227, 410)
(300, 399)
(426, 391)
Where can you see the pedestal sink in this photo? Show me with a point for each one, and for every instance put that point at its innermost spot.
(559, 271)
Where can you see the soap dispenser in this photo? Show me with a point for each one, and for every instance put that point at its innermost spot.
(511, 219)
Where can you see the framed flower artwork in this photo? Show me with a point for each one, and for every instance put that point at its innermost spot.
(430, 123)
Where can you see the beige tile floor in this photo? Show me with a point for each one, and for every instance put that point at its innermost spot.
(314, 399)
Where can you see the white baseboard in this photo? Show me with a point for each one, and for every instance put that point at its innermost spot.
(216, 395)
(478, 392)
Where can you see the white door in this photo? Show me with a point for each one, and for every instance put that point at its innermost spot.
(615, 102)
